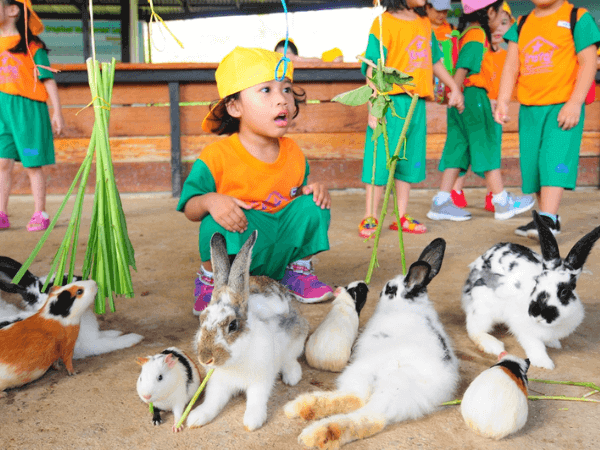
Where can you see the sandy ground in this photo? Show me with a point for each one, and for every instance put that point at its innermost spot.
(99, 407)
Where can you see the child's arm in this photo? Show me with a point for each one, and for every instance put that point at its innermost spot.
(226, 210)
(507, 82)
(569, 114)
(372, 120)
(58, 122)
(455, 98)
(320, 194)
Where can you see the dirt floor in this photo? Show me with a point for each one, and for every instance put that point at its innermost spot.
(99, 408)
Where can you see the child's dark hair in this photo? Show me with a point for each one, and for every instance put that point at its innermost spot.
(230, 125)
(21, 47)
(481, 17)
(291, 46)
(399, 5)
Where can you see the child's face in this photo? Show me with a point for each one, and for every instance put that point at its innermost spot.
(436, 17)
(265, 109)
(502, 28)
(544, 3)
(8, 13)
(494, 18)
(415, 3)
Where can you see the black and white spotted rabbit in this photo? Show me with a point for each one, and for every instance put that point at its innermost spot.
(533, 294)
(402, 366)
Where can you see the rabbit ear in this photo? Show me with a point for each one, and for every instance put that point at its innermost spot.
(418, 277)
(239, 277)
(580, 251)
(433, 255)
(548, 242)
(219, 260)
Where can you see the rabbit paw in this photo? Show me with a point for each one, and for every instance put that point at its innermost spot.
(254, 420)
(291, 373)
(542, 361)
(198, 418)
(319, 435)
(175, 428)
(555, 343)
(488, 344)
(156, 421)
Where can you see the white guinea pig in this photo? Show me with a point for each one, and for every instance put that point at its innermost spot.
(168, 380)
(495, 403)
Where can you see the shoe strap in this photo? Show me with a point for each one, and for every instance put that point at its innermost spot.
(206, 279)
(301, 269)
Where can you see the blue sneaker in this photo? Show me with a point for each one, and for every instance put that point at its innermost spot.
(514, 205)
(304, 284)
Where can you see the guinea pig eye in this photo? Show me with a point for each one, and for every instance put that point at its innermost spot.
(160, 378)
(79, 291)
(233, 326)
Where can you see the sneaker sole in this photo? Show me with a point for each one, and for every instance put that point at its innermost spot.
(521, 233)
(533, 234)
(511, 214)
(323, 298)
(437, 216)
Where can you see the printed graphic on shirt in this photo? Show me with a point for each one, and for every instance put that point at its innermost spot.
(418, 53)
(538, 55)
(9, 67)
(272, 202)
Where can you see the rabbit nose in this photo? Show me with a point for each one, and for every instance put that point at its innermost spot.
(146, 397)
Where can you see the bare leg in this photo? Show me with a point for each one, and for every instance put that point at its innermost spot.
(6, 166)
(403, 191)
(459, 184)
(448, 179)
(38, 187)
(493, 179)
(550, 198)
(375, 193)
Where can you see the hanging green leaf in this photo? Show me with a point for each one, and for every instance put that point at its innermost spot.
(379, 107)
(394, 76)
(380, 83)
(355, 97)
(378, 131)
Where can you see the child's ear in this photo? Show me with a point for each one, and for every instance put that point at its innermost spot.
(233, 108)
(13, 11)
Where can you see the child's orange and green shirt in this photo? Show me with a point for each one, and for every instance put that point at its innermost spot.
(472, 47)
(548, 63)
(442, 33)
(409, 46)
(17, 70)
(491, 70)
(226, 167)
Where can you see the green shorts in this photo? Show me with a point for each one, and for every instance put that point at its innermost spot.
(549, 156)
(25, 131)
(411, 169)
(295, 232)
(473, 137)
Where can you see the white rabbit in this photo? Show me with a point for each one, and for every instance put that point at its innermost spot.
(402, 366)
(534, 295)
(495, 403)
(249, 333)
(90, 342)
(329, 347)
(168, 380)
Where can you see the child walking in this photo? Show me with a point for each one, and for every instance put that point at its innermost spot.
(554, 64)
(25, 126)
(411, 47)
(257, 179)
(473, 138)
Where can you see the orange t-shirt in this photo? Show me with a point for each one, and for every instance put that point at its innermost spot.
(407, 47)
(267, 187)
(443, 31)
(475, 35)
(491, 69)
(17, 71)
(548, 64)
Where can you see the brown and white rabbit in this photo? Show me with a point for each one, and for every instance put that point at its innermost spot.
(168, 380)
(330, 345)
(534, 295)
(402, 366)
(30, 346)
(91, 340)
(249, 333)
(495, 403)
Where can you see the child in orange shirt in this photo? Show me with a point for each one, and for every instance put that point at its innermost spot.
(256, 179)
(437, 13)
(25, 126)
(554, 66)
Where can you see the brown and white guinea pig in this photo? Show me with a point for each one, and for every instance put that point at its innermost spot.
(168, 380)
(30, 346)
(495, 403)
(329, 347)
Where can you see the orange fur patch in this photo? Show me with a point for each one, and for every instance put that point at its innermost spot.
(518, 381)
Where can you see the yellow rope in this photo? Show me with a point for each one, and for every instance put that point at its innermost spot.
(154, 16)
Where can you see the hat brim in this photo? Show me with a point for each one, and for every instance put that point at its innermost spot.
(212, 121)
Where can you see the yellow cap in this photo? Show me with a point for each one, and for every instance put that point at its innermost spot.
(506, 8)
(240, 69)
(35, 24)
(330, 55)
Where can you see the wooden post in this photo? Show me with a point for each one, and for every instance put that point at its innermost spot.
(175, 138)
(125, 18)
(85, 30)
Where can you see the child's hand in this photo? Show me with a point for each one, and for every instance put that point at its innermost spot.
(501, 112)
(456, 99)
(372, 121)
(569, 115)
(58, 122)
(227, 212)
(493, 104)
(320, 194)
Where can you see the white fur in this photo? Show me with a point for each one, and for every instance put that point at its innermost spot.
(330, 345)
(164, 383)
(402, 368)
(493, 405)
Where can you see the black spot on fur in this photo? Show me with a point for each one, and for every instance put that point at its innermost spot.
(391, 290)
(359, 294)
(447, 356)
(381, 335)
(62, 305)
(518, 285)
(540, 307)
(565, 293)
(184, 361)
(523, 251)
(7, 323)
(512, 265)
(515, 369)
(156, 420)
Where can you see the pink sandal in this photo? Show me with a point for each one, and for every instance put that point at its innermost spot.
(4, 222)
(39, 221)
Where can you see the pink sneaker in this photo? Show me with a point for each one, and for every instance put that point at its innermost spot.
(39, 221)
(4, 222)
(304, 284)
(203, 293)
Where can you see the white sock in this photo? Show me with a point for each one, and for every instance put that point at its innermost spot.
(206, 273)
(306, 263)
(501, 198)
(441, 197)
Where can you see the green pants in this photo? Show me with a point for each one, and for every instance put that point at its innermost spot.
(295, 232)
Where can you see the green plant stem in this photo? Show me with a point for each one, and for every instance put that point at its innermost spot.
(194, 398)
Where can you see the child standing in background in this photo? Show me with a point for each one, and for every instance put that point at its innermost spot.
(437, 13)
(256, 179)
(491, 70)
(554, 67)
(473, 137)
(411, 47)
(25, 126)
